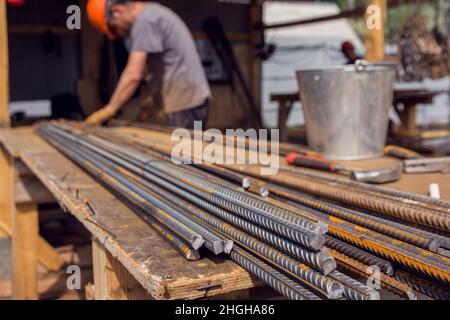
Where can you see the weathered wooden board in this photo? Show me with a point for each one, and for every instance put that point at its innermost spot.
(153, 262)
(19, 139)
(30, 190)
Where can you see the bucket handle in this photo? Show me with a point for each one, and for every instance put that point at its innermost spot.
(361, 65)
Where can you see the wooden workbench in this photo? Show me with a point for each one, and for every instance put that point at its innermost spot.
(130, 260)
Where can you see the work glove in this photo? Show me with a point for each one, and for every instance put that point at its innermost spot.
(100, 116)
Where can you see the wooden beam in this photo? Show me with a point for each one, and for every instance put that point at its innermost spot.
(6, 188)
(112, 281)
(4, 68)
(352, 13)
(31, 190)
(254, 62)
(88, 86)
(24, 252)
(375, 19)
(48, 257)
(100, 264)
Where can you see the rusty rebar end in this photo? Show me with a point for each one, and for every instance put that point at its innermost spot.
(217, 247)
(197, 242)
(373, 295)
(320, 227)
(434, 245)
(228, 246)
(193, 255)
(264, 192)
(335, 291)
(327, 263)
(245, 183)
(317, 242)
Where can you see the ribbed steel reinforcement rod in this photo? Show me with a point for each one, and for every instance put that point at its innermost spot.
(270, 276)
(313, 278)
(396, 230)
(245, 200)
(90, 163)
(178, 244)
(341, 193)
(274, 223)
(371, 187)
(318, 260)
(359, 255)
(394, 250)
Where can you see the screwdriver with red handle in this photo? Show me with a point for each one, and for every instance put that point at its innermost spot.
(316, 162)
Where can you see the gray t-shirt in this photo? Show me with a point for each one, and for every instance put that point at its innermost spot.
(161, 33)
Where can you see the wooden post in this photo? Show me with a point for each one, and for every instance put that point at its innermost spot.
(24, 252)
(112, 281)
(4, 68)
(254, 64)
(88, 86)
(6, 188)
(375, 19)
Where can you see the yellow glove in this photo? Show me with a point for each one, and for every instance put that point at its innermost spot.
(100, 116)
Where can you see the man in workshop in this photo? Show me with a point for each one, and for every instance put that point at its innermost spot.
(348, 50)
(160, 42)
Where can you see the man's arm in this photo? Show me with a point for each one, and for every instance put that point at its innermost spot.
(128, 83)
(129, 80)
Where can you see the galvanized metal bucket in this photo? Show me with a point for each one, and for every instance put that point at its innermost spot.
(347, 109)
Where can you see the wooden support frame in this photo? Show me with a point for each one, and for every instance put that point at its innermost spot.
(20, 222)
(24, 252)
(375, 20)
(4, 68)
(111, 280)
(256, 38)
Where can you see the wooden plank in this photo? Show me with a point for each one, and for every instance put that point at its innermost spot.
(111, 280)
(4, 68)
(375, 22)
(88, 86)
(21, 170)
(158, 268)
(16, 140)
(48, 257)
(31, 190)
(254, 62)
(100, 266)
(6, 189)
(24, 252)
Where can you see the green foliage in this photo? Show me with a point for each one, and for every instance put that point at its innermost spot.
(397, 16)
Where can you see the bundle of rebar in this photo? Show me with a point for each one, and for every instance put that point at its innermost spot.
(275, 227)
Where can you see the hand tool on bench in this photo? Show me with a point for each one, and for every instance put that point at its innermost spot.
(401, 153)
(427, 165)
(382, 175)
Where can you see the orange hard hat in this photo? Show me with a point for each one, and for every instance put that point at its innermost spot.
(98, 15)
